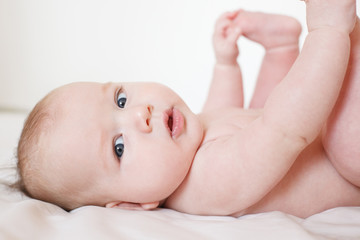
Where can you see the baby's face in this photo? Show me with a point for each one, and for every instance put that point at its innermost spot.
(131, 142)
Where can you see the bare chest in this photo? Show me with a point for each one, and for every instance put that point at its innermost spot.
(311, 185)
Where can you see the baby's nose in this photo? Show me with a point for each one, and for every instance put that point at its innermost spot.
(142, 117)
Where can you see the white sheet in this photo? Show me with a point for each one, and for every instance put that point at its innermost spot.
(24, 218)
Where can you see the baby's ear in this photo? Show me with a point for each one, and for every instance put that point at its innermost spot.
(150, 206)
(133, 206)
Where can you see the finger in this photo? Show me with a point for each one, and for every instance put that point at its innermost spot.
(221, 29)
(234, 14)
(233, 34)
(221, 24)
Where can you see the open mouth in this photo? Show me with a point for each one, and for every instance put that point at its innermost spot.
(174, 122)
(170, 123)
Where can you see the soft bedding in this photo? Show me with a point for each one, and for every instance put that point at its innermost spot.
(24, 218)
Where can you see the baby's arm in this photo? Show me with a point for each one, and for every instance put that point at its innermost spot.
(296, 111)
(301, 104)
(253, 160)
(226, 88)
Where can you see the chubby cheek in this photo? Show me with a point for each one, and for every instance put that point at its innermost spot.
(157, 174)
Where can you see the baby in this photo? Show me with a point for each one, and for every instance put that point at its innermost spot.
(138, 145)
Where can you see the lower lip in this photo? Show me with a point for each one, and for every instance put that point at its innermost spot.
(178, 123)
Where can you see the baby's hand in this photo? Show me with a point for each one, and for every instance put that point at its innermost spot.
(338, 14)
(225, 38)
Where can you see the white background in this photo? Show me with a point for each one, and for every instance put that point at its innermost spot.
(48, 43)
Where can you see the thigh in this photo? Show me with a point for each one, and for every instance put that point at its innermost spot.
(342, 134)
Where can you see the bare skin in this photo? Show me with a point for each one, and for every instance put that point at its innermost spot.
(341, 137)
(311, 171)
(278, 34)
(329, 161)
(296, 150)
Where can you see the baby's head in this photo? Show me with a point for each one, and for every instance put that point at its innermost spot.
(107, 145)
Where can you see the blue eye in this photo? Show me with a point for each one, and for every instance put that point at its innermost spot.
(119, 146)
(121, 100)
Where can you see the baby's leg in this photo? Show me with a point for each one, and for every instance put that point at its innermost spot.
(279, 35)
(342, 134)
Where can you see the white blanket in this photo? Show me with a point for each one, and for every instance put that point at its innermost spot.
(24, 218)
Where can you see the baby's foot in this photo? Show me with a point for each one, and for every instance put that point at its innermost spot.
(269, 30)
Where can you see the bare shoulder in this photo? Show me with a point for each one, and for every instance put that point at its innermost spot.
(207, 186)
(236, 148)
(205, 189)
(240, 169)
